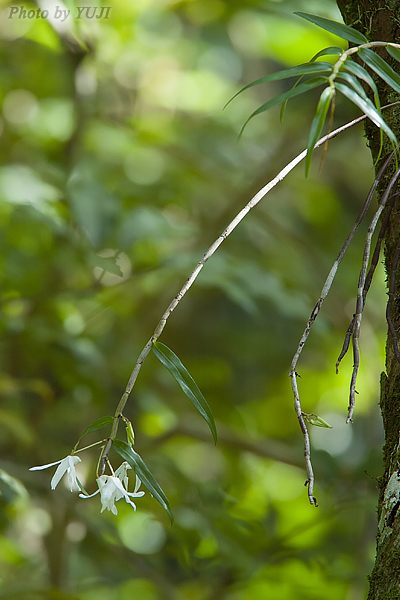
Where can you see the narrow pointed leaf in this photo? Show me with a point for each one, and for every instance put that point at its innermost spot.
(296, 91)
(318, 123)
(304, 69)
(99, 424)
(394, 52)
(359, 71)
(353, 82)
(367, 108)
(343, 31)
(284, 103)
(187, 383)
(145, 476)
(331, 51)
(381, 68)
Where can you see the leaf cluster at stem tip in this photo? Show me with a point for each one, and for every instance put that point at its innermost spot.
(344, 76)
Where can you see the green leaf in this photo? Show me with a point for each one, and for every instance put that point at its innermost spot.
(318, 123)
(367, 108)
(394, 52)
(343, 31)
(381, 68)
(284, 103)
(316, 420)
(99, 424)
(304, 69)
(145, 476)
(331, 51)
(187, 383)
(359, 71)
(354, 83)
(295, 91)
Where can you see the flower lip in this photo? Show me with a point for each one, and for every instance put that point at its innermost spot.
(65, 465)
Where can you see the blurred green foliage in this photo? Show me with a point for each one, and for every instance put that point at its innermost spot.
(119, 167)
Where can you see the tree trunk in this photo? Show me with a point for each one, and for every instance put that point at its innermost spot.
(380, 20)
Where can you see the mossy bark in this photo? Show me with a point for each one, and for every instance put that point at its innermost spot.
(380, 20)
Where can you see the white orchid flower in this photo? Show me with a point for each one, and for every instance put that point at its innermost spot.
(111, 489)
(66, 465)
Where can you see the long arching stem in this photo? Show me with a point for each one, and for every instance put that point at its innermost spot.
(211, 250)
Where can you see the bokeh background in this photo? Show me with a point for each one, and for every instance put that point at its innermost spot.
(119, 167)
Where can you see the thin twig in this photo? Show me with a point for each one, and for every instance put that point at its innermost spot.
(377, 249)
(307, 454)
(368, 280)
(313, 316)
(360, 290)
(346, 344)
(392, 285)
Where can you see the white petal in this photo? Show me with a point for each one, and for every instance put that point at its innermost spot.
(71, 475)
(122, 474)
(124, 492)
(135, 494)
(46, 466)
(120, 491)
(61, 469)
(122, 469)
(138, 483)
(101, 481)
(90, 496)
(67, 465)
(130, 502)
(108, 493)
(72, 483)
(111, 490)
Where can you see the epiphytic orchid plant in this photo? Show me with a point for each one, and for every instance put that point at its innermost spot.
(342, 76)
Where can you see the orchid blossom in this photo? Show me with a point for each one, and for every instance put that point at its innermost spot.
(111, 489)
(66, 465)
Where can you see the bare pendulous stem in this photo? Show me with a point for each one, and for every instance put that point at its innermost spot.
(314, 314)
